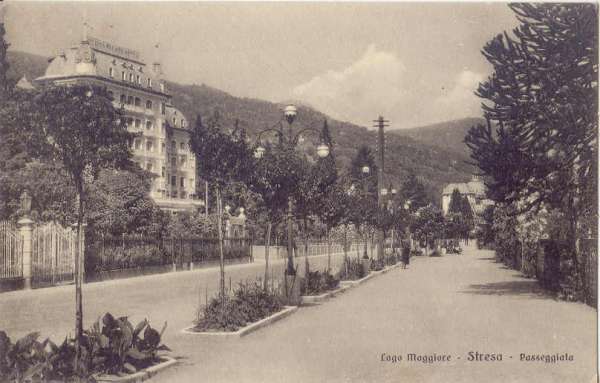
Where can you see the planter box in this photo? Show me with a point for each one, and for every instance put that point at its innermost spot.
(358, 281)
(313, 299)
(139, 376)
(287, 310)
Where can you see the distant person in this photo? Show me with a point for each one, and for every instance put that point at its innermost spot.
(405, 254)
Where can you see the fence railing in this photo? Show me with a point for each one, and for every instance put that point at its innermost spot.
(11, 251)
(53, 251)
(107, 253)
(320, 248)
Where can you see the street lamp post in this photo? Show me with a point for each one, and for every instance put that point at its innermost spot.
(365, 170)
(291, 140)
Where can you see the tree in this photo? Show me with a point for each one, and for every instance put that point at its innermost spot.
(413, 191)
(428, 224)
(222, 158)
(326, 194)
(542, 111)
(5, 86)
(365, 206)
(85, 133)
(456, 202)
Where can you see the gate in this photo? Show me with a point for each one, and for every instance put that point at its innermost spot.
(53, 255)
(11, 251)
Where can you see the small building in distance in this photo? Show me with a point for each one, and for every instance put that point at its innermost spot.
(139, 89)
(474, 190)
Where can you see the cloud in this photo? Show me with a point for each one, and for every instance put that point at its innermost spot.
(358, 93)
(379, 83)
(460, 100)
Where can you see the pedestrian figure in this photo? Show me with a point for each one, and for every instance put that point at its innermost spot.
(405, 254)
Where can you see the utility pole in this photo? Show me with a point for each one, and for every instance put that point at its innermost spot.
(380, 124)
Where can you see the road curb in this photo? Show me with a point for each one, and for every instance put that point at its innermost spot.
(139, 376)
(288, 310)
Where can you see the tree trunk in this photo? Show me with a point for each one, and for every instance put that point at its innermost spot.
(328, 249)
(267, 245)
(306, 264)
(346, 249)
(221, 255)
(78, 278)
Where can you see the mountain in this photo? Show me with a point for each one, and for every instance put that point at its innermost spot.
(448, 135)
(434, 164)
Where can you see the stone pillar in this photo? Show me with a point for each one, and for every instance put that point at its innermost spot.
(26, 228)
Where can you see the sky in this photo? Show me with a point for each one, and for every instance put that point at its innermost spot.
(413, 63)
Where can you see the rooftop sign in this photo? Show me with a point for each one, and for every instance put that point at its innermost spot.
(109, 48)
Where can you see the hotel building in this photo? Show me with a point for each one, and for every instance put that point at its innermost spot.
(162, 145)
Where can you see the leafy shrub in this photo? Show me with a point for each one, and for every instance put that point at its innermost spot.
(435, 253)
(416, 253)
(377, 264)
(248, 303)
(318, 283)
(114, 347)
(391, 260)
(352, 270)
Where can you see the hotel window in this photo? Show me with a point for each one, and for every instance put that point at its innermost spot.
(111, 72)
(149, 166)
(183, 195)
(138, 102)
(173, 145)
(173, 181)
(182, 146)
(129, 121)
(162, 171)
(148, 104)
(138, 123)
(162, 126)
(173, 160)
(149, 146)
(129, 100)
(182, 161)
(123, 99)
(174, 121)
(149, 82)
(138, 144)
(182, 123)
(149, 125)
(162, 86)
(162, 147)
(123, 75)
(111, 94)
(138, 79)
(130, 77)
(182, 182)
(163, 109)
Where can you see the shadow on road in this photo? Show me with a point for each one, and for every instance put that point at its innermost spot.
(529, 289)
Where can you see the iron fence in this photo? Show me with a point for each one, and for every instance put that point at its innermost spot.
(109, 253)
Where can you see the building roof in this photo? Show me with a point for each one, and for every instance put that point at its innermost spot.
(475, 187)
(175, 118)
(95, 57)
(24, 83)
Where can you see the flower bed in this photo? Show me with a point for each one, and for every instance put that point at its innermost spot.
(112, 348)
(352, 270)
(317, 283)
(249, 303)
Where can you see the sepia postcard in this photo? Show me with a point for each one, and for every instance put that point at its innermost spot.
(323, 192)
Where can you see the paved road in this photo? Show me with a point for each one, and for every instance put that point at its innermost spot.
(451, 305)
